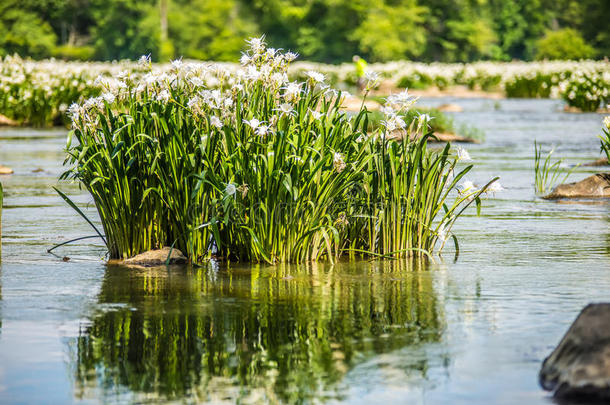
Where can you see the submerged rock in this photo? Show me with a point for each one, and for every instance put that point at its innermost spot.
(441, 137)
(580, 365)
(599, 162)
(447, 137)
(5, 170)
(6, 121)
(156, 257)
(449, 108)
(596, 186)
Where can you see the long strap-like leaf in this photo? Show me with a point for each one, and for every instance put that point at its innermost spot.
(81, 213)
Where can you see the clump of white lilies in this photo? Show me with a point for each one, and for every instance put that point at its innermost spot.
(246, 164)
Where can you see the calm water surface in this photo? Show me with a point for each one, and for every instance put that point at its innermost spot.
(471, 331)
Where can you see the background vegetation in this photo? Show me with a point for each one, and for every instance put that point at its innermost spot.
(321, 30)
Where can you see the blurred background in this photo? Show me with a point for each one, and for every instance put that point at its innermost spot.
(330, 31)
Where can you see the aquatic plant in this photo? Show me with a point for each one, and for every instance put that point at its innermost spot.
(530, 84)
(548, 174)
(605, 138)
(255, 167)
(587, 90)
(38, 93)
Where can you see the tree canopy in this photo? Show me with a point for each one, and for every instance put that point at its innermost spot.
(320, 30)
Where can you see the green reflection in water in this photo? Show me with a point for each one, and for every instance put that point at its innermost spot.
(277, 334)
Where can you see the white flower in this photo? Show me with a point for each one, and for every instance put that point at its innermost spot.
(177, 64)
(316, 77)
(422, 121)
(387, 110)
(393, 123)
(262, 130)
(253, 123)
(245, 59)
(607, 121)
(252, 73)
(144, 60)
(196, 81)
(257, 45)
(286, 108)
(108, 97)
(292, 91)
(75, 111)
(230, 189)
(194, 104)
(403, 99)
(163, 96)
(466, 186)
(216, 122)
(278, 79)
(330, 94)
(290, 56)
(212, 98)
(462, 154)
(494, 187)
(425, 118)
(338, 162)
(372, 78)
(316, 115)
(94, 102)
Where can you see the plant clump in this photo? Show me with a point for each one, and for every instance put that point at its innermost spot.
(248, 165)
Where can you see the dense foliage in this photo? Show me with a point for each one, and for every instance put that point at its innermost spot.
(251, 166)
(323, 30)
(38, 93)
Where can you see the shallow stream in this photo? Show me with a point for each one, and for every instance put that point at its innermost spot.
(471, 331)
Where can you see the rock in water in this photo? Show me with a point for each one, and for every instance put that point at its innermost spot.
(5, 170)
(596, 186)
(6, 121)
(580, 365)
(157, 257)
(599, 162)
(449, 108)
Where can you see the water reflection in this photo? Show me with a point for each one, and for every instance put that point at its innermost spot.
(286, 334)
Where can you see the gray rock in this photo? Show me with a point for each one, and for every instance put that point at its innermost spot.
(580, 365)
(156, 257)
(595, 186)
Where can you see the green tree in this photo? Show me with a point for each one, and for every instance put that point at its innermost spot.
(460, 30)
(125, 29)
(518, 24)
(209, 29)
(392, 30)
(24, 32)
(564, 44)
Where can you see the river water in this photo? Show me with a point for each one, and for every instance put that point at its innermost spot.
(469, 331)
